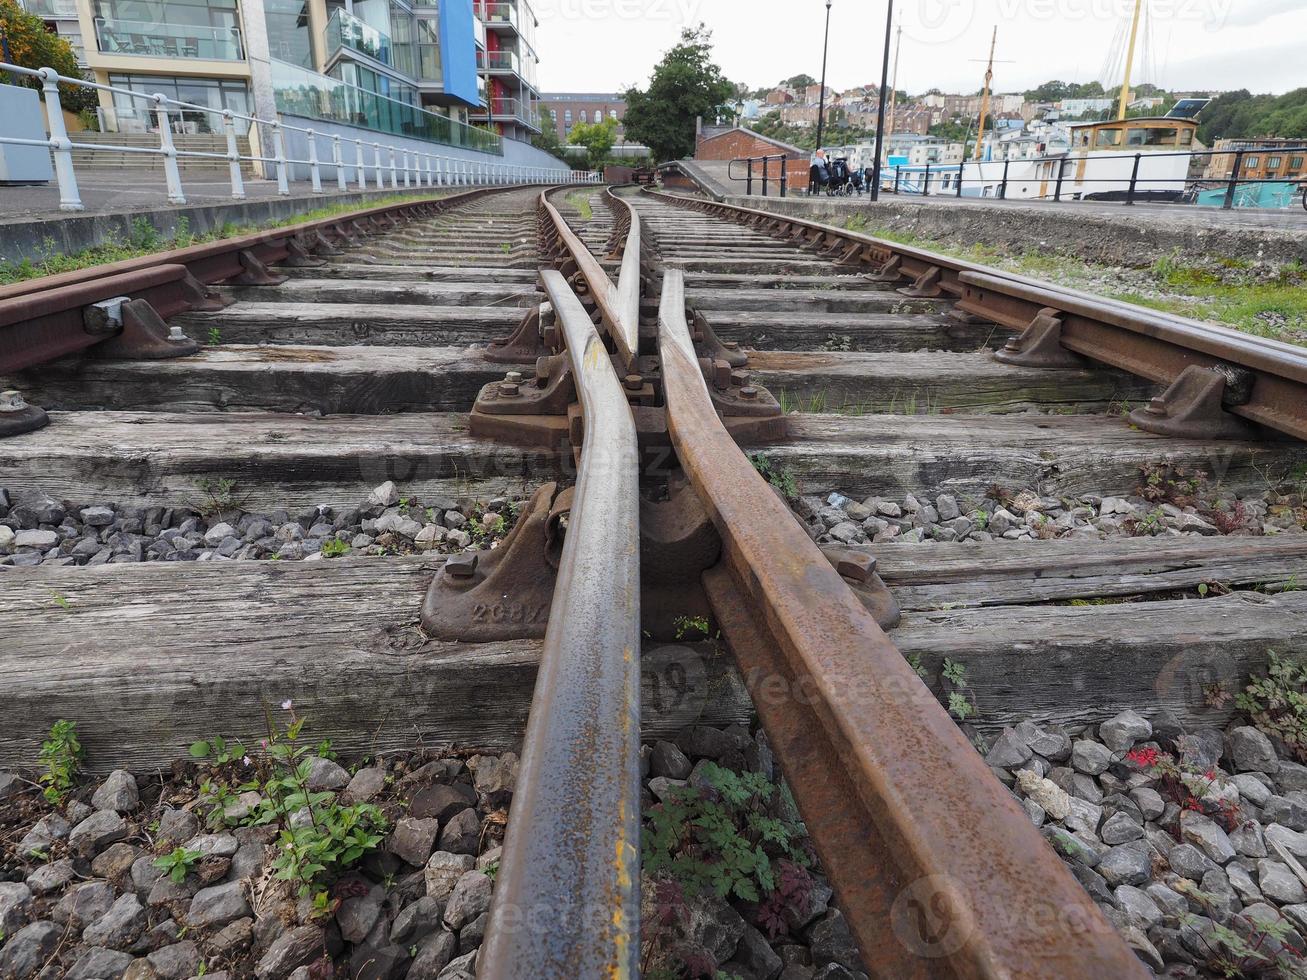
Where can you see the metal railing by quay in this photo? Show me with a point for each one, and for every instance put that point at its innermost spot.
(950, 179)
(370, 164)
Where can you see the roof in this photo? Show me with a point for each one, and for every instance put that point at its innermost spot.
(780, 144)
(1135, 119)
(582, 97)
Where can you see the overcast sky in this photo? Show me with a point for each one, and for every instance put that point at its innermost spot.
(605, 45)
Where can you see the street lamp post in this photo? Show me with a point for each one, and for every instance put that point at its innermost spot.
(880, 116)
(821, 100)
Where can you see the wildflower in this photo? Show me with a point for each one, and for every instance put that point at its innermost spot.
(1144, 757)
(247, 761)
(287, 705)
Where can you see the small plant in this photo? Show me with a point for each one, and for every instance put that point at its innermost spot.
(960, 703)
(486, 527)
(837, 342)
(334, 548)
(492, 869)
(1187, 786)
(181, 235)
(1277, 702)
(178, 863)
(688, 626)
(144, 236)
(506, 247)
(215, 336)
(217, 751)
(319, 837)
(61, 754)
(782, 479)
(220, 496)
(1264, 952)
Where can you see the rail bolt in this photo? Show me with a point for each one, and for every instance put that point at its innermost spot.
(633, 382)
(739, 378)
(858, 566)
(11, 401)
(749, 393)
(176, 336)
(461, 566)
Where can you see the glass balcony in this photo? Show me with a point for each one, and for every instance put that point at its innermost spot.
(501, 62)
(501, 15)
(344, 30)
(309, 95)
(149, 40)
(504, 110)
(52, 9)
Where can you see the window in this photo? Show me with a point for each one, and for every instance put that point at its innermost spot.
(1295, 163)
(1252, 163)
(1153, 137)
(612, 114)
(1108, 137)
(599, 117)
(1273, 163)
(567, 116)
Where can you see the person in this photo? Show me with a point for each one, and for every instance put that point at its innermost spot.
(818, 173)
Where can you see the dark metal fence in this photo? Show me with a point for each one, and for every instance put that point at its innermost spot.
(765, 175)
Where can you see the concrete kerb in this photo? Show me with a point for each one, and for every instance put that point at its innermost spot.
(65, 234)
(1128, 238)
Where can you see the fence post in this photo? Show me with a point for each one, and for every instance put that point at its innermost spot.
(394, 171)
(1234, 180)
(404, 161)
(339, 160)
(1134, 179)
(279, 151)
(962, 168)
(69, 198)
(925, 190)
(764, 175)
(785, 175)
(315, 172)
(1002, 190)
(233, 156)
(170, 172)
(362, 175)
(1061, 172)
(376, 162)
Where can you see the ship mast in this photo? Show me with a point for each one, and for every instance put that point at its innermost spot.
(1129, 61)
(894, 85)
(984, 102)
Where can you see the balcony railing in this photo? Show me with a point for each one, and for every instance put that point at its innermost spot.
(499, 61)
(150, 40)
(501, 15)
(344, 30)
(52, 9)
(500, 110)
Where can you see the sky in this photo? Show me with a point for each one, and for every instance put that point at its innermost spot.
(606, 45)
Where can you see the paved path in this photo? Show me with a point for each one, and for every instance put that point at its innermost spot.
(113, 191)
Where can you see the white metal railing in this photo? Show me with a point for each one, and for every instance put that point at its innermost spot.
(391, 165)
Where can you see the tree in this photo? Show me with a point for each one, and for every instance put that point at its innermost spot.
(686, 84)
(597, 138)
(798, 82)
(31, 45)
(548, 139)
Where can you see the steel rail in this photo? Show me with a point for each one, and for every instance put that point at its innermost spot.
(938, 869)
(567, 898)
(43, 319)
(1152, 344)
(619, 304)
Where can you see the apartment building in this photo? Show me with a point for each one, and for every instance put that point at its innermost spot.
(1265, 158)
(421, 68)
(509, 65)
(563, 110)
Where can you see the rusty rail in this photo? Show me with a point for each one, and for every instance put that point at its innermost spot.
(939, 870)
(1263, 381)
(43, 319)
(567, 902)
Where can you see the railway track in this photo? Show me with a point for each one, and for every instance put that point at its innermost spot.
(332, 396)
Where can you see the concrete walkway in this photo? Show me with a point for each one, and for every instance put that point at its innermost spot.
(114, 191)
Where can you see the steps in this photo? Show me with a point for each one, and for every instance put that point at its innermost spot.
(153, 162)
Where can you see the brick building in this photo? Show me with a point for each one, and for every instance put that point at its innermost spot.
(1266, 158)
(736, 143)
(565, 109)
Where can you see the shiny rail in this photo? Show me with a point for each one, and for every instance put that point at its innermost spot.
(1268, 378)
(619, 303)
(567, 900)
(937, 867)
